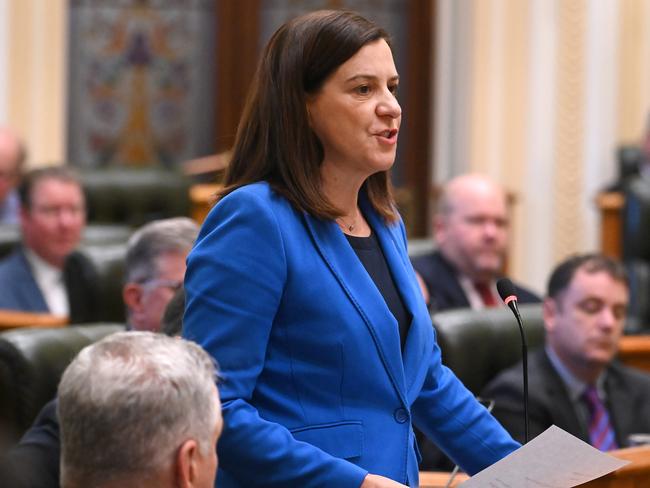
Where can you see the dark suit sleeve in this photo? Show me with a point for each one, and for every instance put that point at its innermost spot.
(34, 461)
(81, 280)
(506, 390)
(526, 296)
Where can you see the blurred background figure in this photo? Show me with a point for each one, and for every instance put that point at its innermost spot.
(45, 274)
(575, 381)
(12, 159)
(155, 263)
(471, 232)
(135, 386)
(155, 268)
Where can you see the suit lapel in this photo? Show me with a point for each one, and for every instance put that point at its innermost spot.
(26, 287)
(360, 289)
(564, 415)
(621, 401)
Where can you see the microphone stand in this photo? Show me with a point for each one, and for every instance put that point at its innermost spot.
(524, 361)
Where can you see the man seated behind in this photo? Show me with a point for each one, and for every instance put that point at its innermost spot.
(12, 159)
(155, 268)
(44, 274)
(139, 409)
(155, 264)
(574, 380)
(471, 232)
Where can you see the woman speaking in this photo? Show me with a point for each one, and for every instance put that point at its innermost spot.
(300, 286)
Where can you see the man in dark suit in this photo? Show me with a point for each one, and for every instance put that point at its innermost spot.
(575, 381)
(155, 267)
(45, 274)
(471, 232)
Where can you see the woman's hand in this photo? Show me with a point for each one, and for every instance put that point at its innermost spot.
(376, 481)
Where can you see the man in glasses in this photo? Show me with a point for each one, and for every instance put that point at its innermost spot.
(45, 274)
(155, 267)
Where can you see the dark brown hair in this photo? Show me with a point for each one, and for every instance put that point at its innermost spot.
(274, 140)
(33, 177)
(563, 274)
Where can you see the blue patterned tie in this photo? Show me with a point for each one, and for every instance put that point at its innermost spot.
(601, 432)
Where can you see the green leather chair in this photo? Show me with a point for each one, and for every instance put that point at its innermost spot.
(134, 196)
(108, 260)
(476, 345)
(32, 361)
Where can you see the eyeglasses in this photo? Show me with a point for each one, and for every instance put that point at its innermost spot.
(173, 285)
(53, 211)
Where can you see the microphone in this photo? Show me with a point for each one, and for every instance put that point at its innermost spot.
(508, 295)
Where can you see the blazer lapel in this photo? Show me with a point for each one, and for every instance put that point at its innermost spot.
(360, 289)
(417, 343)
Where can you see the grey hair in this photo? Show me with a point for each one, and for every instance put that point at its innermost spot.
(154, 239)
(127, 402)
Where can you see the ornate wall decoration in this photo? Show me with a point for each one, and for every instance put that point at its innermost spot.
(141, 81)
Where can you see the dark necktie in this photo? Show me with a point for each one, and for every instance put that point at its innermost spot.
(601, 432)
(486, 294)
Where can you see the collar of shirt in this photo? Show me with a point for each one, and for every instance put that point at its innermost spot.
(50, 280)
(473, 297)
(575, 386)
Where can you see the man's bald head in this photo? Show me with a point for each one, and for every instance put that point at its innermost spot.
(471, 226)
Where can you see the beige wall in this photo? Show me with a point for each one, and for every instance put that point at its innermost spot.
(33, 85)
(537, 94)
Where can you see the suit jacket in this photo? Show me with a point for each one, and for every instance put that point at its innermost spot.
(316, 390)
(627, 389)
(34, 461)
(19, 290)
(444, 287)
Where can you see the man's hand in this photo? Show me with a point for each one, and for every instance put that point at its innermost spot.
(376, 481)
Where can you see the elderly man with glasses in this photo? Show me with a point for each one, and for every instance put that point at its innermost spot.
(155, 267)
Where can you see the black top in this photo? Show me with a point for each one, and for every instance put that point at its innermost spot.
(372, 257)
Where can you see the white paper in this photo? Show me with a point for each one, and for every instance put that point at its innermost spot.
(554, 459)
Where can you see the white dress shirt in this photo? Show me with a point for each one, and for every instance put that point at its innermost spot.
(50, 281)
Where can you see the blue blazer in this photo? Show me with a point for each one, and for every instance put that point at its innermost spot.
(316, 391)
(18, 288)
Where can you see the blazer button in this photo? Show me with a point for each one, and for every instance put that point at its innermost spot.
(401, 415)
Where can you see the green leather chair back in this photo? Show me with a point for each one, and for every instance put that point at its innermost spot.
(134, 196)
(32, 361)
(476, 345)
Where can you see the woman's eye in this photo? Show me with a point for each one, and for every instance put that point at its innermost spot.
(363, 90)
(393, 89)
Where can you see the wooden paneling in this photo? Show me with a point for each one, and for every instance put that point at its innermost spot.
(237, 53)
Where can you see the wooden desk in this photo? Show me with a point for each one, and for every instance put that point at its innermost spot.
(11, 319)
(202, 197)
(611, 223)
(634, 475)
(635, 351)
(438, 479)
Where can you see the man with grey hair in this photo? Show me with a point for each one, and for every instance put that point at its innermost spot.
(155, 267)
(139, 409)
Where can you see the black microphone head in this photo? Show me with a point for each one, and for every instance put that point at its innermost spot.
(506, 290)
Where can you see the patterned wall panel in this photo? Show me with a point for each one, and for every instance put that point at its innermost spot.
(141, 81)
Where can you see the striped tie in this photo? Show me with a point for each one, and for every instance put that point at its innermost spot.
(601, 432)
